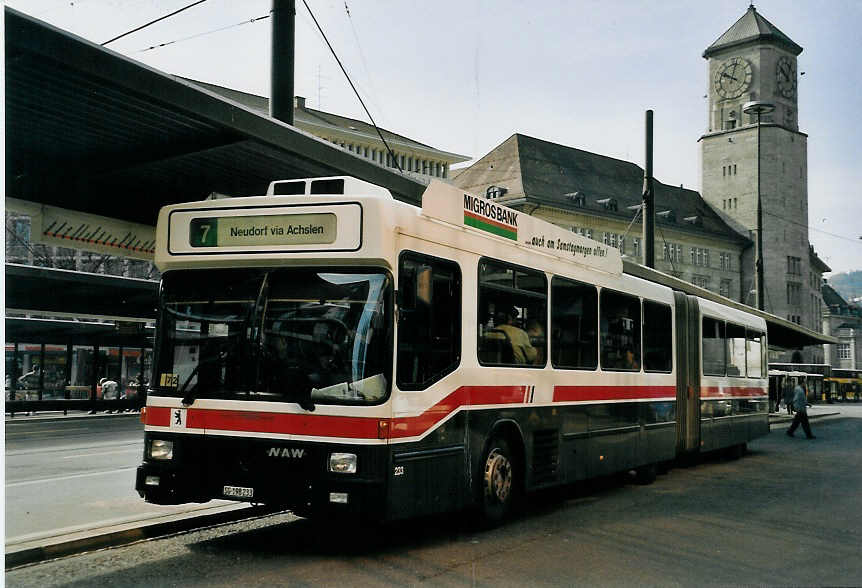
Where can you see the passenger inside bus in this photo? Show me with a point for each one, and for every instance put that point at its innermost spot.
(505, 328)
(537, 340)
(630, 361)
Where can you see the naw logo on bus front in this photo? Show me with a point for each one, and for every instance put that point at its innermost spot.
(490, 217)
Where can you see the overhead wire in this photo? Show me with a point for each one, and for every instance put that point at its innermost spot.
(161, 18)
(195, 36)
(355, 91)
(362, 57)
(812, 228)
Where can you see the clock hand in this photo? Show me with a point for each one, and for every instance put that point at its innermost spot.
(724, 74)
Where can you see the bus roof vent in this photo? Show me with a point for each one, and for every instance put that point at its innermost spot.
(330, 186)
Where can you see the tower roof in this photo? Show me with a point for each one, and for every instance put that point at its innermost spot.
(752, 27)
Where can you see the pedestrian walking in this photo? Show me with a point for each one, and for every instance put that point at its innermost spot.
(788, 397)
(800, 405)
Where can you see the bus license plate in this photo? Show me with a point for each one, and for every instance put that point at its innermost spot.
(238, 492)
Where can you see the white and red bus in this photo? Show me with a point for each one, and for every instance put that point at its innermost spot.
(331, 350)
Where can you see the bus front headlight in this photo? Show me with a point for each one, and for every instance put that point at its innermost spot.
(161, 449)
(342, 463)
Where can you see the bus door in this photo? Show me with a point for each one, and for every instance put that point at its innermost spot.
(687, 373)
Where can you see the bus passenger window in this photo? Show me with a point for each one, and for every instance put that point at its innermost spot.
(620, 331)
(713, 350)
(512, 315)
(658, 337)
(735, 350)
(574, 324)
(754, 354)
(429, 320)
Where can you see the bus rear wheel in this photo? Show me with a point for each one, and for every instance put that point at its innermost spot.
(500, 481)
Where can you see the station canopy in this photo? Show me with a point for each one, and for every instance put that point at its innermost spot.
(90, 130)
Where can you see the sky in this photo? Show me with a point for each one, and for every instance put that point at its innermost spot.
(463, 76)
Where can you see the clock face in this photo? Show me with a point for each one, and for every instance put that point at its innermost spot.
(785, 77)
(732, 78)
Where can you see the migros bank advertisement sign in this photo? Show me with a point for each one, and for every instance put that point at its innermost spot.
(449, 204)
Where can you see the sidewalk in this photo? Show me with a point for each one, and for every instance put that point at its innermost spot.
(62, 542)
(847, 409)
(57, 415)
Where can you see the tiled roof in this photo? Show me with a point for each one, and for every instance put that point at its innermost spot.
(549, 173)
(752, 27)
(831, 297)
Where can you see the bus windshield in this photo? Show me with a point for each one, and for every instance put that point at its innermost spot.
(283, 335)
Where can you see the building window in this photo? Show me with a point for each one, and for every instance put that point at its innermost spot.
(844, 351)
(672, 252)
(700, 281)
(794, 266)
(636, 247)
(724, 261)
(794, 293)
(724, 288)
(700, 256)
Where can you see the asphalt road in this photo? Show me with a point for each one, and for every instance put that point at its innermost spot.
(72, 474)
(786, 514)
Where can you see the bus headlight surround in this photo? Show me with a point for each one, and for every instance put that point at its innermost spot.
(161, 449)
(342, 463)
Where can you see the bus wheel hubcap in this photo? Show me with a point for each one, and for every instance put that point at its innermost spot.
(498, 476)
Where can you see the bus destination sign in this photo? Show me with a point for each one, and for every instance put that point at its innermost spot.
(280, 229)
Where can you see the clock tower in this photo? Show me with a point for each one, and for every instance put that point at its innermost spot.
(749, 157)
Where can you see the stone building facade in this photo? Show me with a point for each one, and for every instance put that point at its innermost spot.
(843, 320)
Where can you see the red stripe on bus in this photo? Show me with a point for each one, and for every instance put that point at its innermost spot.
(158, 416)
(593, 393)
(338, 426)
(269, 422)
(733, 391)
(293, 424)
(463, 396)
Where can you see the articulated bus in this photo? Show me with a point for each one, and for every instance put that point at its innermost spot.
(330, 350)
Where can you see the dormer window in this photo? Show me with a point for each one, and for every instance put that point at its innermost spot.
(494, 192)
(668, 215)
(578, 199)
(694, 220)
(608, 204)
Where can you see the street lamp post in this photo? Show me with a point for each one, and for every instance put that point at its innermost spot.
(759, 108)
